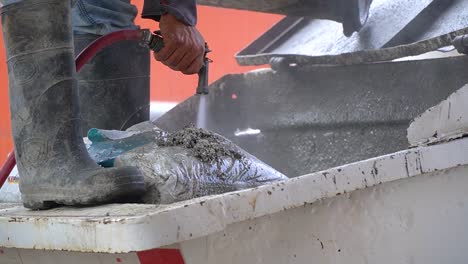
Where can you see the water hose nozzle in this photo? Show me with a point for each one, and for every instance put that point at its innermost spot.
(202, 87)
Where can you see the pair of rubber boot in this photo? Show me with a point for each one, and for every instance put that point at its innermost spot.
(52, 160)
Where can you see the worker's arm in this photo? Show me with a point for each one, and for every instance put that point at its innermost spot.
(183, 10)
(184, 46)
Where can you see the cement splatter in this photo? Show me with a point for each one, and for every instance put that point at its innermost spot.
(204, 145)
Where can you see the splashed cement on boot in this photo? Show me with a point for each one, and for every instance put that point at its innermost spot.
(204, 145)
(193, 162)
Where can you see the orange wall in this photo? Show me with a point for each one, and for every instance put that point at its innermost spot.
(5, 134)
(226, 31)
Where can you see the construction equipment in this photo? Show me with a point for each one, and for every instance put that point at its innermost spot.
(374, 210)
(352, 14)
(372, 185)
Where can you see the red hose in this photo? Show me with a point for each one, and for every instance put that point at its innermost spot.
(86, 55)
(7, 168)
(89, 52)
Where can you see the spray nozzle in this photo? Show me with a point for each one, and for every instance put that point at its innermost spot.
(202, 87)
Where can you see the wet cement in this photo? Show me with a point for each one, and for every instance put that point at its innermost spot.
(204, 145)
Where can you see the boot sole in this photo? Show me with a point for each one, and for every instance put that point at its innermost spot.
(127, 186)
(128, 192)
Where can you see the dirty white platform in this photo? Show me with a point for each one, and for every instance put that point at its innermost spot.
(405, 207)
(125, 228)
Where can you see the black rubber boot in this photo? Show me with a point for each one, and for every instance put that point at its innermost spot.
(114, 86)
(52, 160)
(354, 15)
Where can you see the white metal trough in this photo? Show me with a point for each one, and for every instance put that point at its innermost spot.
(405, 207)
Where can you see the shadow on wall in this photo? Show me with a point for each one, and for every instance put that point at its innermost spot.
(227, 32)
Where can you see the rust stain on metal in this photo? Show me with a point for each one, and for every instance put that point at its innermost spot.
(325, 175)
(449, 109)
(16, 220)
(105, 221)
(253, 203)
(406, 166)
(178, 232)
(374, 171)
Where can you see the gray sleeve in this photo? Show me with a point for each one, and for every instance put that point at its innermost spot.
(184, 10)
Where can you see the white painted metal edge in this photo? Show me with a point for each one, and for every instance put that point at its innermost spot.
(155, 227)
(445, 121)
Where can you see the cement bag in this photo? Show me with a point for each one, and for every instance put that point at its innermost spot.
(106, 145)
(190, 163)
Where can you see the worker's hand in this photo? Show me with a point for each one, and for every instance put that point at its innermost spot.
(184, 46)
